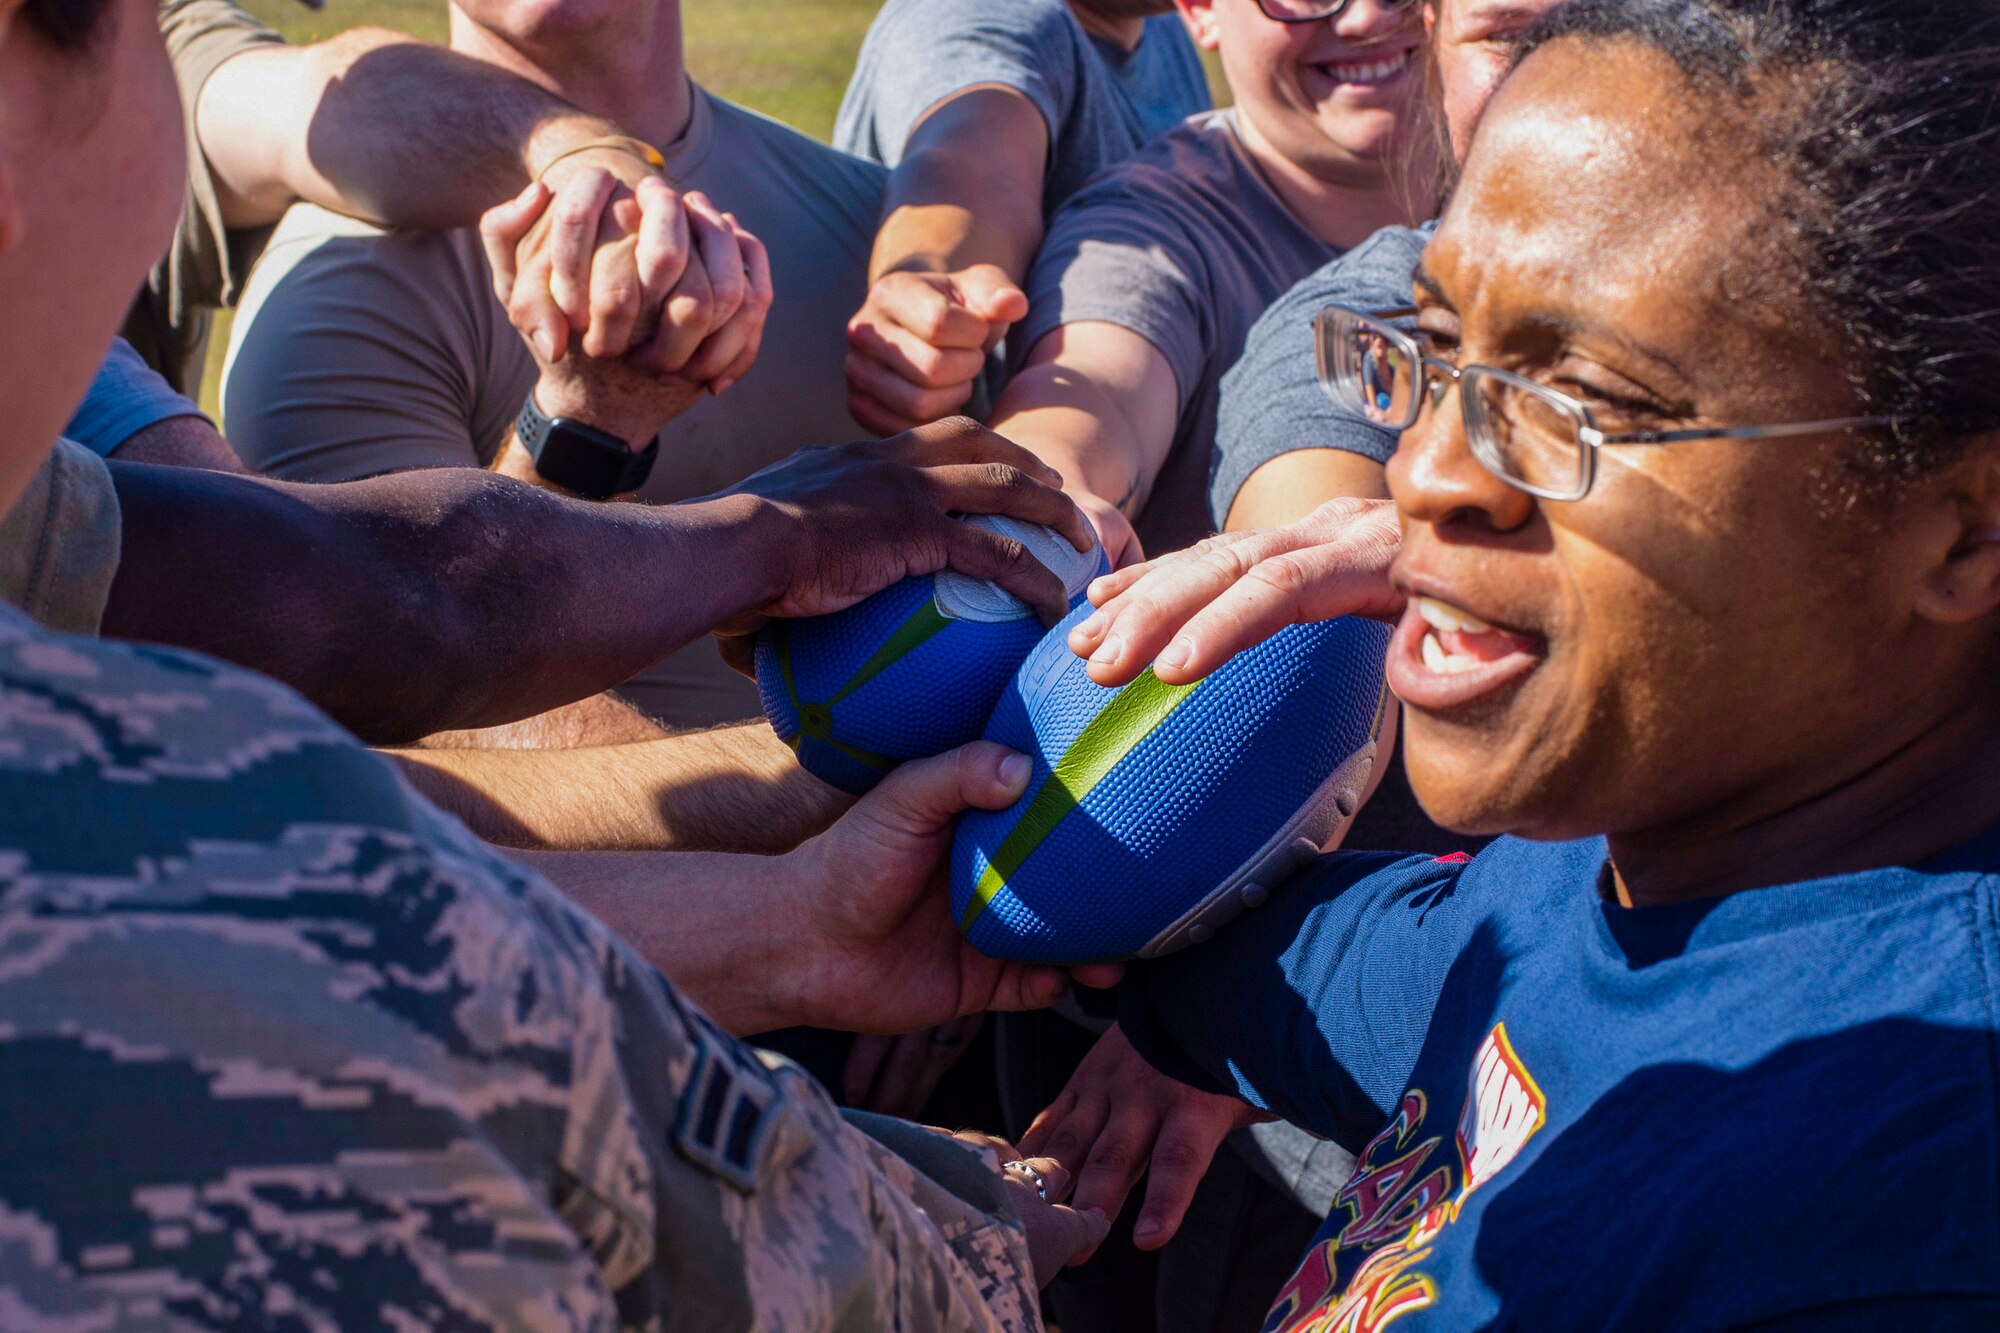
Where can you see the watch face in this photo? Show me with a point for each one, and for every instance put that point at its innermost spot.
(587, 461)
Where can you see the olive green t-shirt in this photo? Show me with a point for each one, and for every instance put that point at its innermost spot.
(207, 263)
(357, 352)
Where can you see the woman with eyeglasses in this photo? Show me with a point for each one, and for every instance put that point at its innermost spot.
(1696, 558)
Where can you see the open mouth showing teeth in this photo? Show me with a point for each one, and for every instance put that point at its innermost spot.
(1379, 70)
(1456, 641)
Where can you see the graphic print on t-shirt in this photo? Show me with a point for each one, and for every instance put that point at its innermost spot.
(1398, 1200)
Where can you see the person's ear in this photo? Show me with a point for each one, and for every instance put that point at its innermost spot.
(1201, 20)
(1965, 584)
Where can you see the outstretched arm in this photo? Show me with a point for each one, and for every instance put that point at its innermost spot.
(1096, 402)
(381, 127)
(445, 598)
(733, 789)
(852, 930)
(961, 222)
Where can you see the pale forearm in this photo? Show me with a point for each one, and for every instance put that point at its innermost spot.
(1292, 485)
(1096, 403)
(602, 719)
(968, 191)
(736, 789)
(378, 126)
(709, 921)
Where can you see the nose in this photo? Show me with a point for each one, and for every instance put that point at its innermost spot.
(1434, 477)
(1372, 20)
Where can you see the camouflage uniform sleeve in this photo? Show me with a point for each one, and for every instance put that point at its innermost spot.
(282, 1045)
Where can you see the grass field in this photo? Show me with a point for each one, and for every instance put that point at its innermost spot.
(790, 60)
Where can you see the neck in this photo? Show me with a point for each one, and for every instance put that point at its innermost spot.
(1340, 212)
(1926, 797)
(631, 71)
(1124, 31)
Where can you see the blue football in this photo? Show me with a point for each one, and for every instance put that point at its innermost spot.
(1155, 813)
(910, 672)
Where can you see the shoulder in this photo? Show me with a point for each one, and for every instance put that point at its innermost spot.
(1373, 275)
(750, 143)
(201, 34)
(1040, 22)
(1184, 184)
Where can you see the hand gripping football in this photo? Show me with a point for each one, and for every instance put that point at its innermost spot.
(912, 671)
(1155, 813)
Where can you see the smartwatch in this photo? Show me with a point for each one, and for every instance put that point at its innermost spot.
(582, 459)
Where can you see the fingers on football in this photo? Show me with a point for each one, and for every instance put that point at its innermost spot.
(983, 554)
(1131, 627)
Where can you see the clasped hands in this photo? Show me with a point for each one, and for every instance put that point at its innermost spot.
(635, 297)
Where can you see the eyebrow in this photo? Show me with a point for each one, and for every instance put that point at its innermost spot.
(1428, 289)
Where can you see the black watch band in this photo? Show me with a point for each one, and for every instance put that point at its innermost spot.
(582, 459)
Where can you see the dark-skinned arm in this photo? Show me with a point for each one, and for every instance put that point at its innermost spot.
(449, 598)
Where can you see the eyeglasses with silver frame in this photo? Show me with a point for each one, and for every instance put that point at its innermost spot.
(1530, 436)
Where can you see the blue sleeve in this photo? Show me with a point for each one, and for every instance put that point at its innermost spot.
(922, 54)
(1271, 402)
(126, 397)
(1330, 988)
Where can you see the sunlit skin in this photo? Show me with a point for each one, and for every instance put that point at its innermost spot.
(1737, 677)
(1296, 109)
(103, 139)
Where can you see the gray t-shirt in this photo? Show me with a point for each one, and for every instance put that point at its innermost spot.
(1271, 402)
(357, 352)
(1100, 101)
(1186, 245)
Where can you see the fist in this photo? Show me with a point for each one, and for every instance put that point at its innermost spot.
(917, 346)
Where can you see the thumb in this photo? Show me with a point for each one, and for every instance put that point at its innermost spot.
(921, 796)
(1079, 1233)
(501, 228)
(987, 291)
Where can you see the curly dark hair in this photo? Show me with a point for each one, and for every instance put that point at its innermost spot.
(1886, 114)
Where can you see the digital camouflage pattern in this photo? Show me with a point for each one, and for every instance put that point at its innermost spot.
(282, 1046)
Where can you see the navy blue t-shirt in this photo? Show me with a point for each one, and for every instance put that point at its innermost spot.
(1774, 1109)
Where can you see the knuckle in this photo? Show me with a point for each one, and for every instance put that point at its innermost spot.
(1179, 1157)
(1284, 573)
(1113, 1158)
